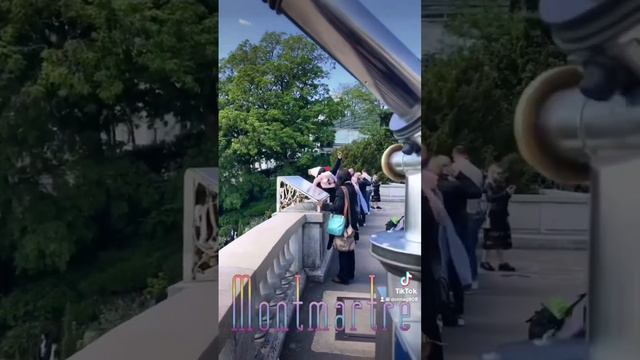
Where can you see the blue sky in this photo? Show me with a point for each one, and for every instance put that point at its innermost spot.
(250, 19)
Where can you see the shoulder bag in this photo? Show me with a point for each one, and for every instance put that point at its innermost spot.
(345, 241)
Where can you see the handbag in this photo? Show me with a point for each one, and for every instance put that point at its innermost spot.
(345, 241)
(338, 222)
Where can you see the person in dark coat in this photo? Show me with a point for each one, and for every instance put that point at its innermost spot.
(498, 236)
(455, 188)
(375, 198)
(431, 261)
(347, 259)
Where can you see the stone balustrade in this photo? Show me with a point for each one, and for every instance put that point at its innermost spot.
(268, 265)
(552, 219)
(393, 192)
(182, 326)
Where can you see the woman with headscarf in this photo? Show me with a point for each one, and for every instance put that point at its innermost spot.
(326, 179)
(346, 259)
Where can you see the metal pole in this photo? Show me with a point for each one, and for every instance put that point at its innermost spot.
(565, 135)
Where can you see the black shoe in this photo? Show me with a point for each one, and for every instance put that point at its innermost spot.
(486, 266)
(506, 267)
(337, 280)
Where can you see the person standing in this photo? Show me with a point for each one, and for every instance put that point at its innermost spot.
(326, 180)
(347, 260)
(475, 213)
(368, 189)
(498, 232)
(433, 213)
(455, 188)
(365, 189)
(363, 209)
(375, 197)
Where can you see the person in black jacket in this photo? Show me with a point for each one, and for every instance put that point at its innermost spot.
(498, 237)
(455, 188)
(347, 259)
(431, 292)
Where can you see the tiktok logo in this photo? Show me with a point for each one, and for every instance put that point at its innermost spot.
(406, 280)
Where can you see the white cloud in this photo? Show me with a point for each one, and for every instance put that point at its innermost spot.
(244, 22)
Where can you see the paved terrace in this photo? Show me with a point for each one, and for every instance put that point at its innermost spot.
(328, 345)
(496, 313)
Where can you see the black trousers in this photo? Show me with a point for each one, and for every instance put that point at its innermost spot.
(455, 285)
(432, 331)
(347, 261)
(430, 305)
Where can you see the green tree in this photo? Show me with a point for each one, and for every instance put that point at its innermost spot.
(366, 154)
(93, 212)
(362, 110)
(470, 93)
(73, 72)
(275, 112)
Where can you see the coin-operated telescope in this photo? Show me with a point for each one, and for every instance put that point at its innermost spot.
(356, 39)
(581, 123)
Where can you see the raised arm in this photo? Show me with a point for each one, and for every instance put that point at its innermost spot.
(337, 165)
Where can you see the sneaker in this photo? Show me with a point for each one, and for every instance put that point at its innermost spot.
(506, 267)
(475, 285)
(487, 266)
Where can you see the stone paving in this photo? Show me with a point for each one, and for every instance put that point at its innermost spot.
(302, 345)
(496, 313)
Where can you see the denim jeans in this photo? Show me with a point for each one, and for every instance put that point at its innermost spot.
(471, 243)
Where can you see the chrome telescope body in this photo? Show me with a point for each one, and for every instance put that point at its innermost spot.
(357, 40)
(581, 123)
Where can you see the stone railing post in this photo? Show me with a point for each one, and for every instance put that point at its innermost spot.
(200, 224)
(270, 255)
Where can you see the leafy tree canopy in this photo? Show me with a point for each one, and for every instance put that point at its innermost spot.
(71, 73)
(470, 93)
(88, 212)
(362, 109)
(275, 112)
